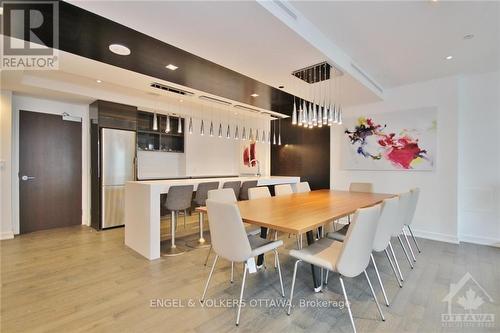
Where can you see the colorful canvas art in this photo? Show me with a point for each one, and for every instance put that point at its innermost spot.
(391, 141)
(248, 157)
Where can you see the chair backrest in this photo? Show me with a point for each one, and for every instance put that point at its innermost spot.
(244, 188)
(303, 187)
(283, 189)
(361, 187)
(227, 233)
(222, 195)
(388, 221)
(358, 243)
(179, 197)
(415, 193)
(258, 192)
(235, 185)
(202, 192)
(404, 205)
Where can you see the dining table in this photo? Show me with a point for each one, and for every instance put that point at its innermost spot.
(303, 213)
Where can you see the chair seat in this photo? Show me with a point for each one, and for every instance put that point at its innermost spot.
(338, 235)
(323, 253)
(260, 245)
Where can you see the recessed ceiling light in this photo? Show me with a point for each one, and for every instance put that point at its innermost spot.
(254, 95)
(171, 67)
(119, 49)
(98, 81)
(281, 87)
(468, 36)
(449, 57)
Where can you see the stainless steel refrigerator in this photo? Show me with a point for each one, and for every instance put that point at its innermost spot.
(118, 166)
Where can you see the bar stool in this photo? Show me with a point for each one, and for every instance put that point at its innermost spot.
(178, 198)
(244, 188)
(200, 200)
(235, 185)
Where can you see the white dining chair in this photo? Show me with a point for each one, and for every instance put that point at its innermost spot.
(303, 187)
(349, 258)
(388, 221)
(258, 193)
(403, 211)
(283, 189)
(361, 187)
(222, 195)
(231, 242)
(225, 195)
(415, 194)
(353, 187)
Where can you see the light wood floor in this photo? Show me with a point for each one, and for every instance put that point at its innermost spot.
(79, 280)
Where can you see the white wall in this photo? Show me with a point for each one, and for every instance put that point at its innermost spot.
(203, 156)
(214, 156)
(460, 200)
(479, 159)
(436, 215)
(52, 107)
(6, 230)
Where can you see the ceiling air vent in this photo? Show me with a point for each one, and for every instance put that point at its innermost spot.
(360, 71)
(285, 8)
(214, 100)
(171, 89)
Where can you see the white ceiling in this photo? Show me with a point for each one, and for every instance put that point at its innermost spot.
(400, 42)
(76, 81)
(239, 35)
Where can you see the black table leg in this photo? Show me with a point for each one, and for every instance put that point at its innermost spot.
(260, 258)
(315, 271)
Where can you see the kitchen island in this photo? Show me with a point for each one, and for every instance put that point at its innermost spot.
(142, 208)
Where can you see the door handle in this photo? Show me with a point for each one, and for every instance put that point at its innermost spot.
(25, 178)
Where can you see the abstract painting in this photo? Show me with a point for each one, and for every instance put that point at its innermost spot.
(404, 140)
(248, 157)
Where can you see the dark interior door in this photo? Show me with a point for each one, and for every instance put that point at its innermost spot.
(50, 171)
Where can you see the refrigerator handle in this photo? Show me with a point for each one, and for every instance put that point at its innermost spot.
(135, 167)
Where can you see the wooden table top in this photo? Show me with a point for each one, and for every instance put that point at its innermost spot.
(301, 212)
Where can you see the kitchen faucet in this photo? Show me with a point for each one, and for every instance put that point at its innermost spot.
(258, 166)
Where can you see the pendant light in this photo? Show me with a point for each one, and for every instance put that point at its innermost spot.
(279, 134)
(190, 128)
(236, 134)
(228, 132)
(257, 135)
(211, 128)
(220, 130)
(179, 126)
(294, 113)
(250, 137)
(274, 132)
(155, 122)
(263, 136)
(340, 115)
(244, 135)
(167, 126)
(202, 127)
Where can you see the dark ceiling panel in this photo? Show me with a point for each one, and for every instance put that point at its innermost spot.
(89, 35)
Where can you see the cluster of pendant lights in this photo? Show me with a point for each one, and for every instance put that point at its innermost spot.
(322, 109)
(252, 135)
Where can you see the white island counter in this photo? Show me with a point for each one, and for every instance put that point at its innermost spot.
(142, 208)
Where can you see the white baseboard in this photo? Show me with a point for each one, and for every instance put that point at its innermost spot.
(6, 235)
(435, 236)
(480, 240)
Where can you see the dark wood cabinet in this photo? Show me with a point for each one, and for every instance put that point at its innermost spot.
(149, 139)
